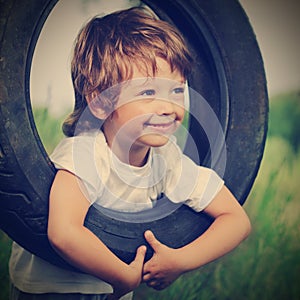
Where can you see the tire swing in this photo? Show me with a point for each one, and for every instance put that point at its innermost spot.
(228, 73)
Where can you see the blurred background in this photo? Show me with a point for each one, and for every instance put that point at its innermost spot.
(267, 264)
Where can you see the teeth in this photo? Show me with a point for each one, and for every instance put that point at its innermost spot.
(160, 124)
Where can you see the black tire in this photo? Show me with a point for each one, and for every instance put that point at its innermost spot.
(228, 72)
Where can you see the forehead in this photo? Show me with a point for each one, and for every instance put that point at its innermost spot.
(162, 71)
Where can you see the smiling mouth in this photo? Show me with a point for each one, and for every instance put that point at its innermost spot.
(168, 127)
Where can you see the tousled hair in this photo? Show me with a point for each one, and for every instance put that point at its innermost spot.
(106, 49)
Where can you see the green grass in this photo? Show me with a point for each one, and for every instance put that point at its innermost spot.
(49, 128)
(267, 265)
(284, 118)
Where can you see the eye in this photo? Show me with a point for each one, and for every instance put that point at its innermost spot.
(178, 90)
(147, 93)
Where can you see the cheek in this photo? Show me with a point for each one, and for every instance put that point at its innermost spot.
(180, 113)
(123, 113)
(131, 116)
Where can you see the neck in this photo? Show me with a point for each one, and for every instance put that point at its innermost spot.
(132, 154)
(138, 157)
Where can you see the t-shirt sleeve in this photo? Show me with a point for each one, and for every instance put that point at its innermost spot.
(186, 182)
(76, 155)
(206, 188)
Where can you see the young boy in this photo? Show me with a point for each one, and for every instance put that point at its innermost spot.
(129, 71)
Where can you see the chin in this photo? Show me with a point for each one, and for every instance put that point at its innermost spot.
(154, 140)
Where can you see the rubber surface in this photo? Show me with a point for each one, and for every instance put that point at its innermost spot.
(229, 73)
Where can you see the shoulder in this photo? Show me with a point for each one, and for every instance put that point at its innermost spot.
(81, 155)
(78, 147)
(85, 156)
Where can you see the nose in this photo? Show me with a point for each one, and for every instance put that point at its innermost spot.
(165, 107)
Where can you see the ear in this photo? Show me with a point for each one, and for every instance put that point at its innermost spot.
(94, 104)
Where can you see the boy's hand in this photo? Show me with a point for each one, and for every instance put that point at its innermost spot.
(163, 268)
(133, 277)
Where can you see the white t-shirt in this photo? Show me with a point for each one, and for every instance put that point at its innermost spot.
(113, 184)
(116, 185)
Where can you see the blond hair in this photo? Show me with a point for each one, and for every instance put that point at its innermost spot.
(106, 49)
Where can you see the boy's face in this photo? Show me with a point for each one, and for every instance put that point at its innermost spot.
(149, 110)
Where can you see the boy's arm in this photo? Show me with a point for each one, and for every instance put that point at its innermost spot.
(230, 227)
(78, 245)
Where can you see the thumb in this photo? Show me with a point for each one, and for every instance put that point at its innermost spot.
(151, 239)
(140, 255)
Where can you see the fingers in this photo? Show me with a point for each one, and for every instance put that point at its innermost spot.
(147, 270)
(151, 239)
(140, 255)
(157, 285)
(154, 284)
(147, 277)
